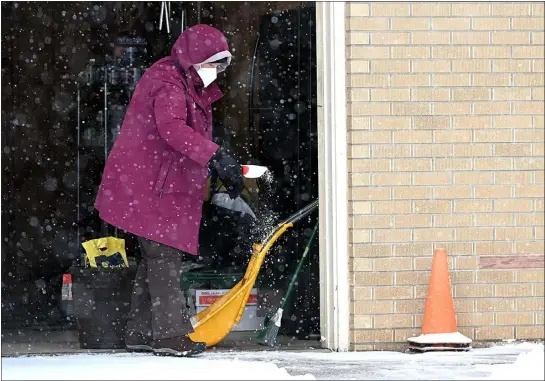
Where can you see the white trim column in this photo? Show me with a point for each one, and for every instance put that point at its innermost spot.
(333, 176)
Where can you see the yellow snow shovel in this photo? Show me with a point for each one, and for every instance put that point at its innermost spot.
(214, 323)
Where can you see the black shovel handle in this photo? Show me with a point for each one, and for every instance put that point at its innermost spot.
(301, 213)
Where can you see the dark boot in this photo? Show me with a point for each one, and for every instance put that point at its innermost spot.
(137, 342)
(178, 346)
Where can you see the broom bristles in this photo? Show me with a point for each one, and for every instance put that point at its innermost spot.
(270, 332)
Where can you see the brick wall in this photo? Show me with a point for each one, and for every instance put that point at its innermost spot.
(445, 112)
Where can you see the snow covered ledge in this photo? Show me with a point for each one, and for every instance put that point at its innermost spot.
(333, 175)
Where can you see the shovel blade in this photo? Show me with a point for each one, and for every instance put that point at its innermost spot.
(253, 171)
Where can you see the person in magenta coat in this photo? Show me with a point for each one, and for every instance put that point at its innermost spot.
(154, 183)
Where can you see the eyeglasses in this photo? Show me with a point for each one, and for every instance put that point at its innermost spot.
(221, 65)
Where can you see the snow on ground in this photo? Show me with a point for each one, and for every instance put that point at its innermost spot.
(522, 361)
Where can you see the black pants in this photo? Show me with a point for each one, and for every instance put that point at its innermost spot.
(158, 305)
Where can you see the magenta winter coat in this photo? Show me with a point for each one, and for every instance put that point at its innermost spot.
(154, 181)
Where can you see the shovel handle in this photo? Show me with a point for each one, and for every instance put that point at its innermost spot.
(298, 216)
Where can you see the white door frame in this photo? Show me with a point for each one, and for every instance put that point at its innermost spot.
(333, 175)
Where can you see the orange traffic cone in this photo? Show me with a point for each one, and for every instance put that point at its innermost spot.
(439, 329)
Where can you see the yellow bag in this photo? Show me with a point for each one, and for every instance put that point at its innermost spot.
(107, 252)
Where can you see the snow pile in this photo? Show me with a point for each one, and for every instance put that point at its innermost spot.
(528, 366)
(139, 367)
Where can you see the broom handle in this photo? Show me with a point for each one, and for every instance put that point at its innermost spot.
(299, 267)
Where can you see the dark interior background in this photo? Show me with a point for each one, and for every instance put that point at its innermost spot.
(268, 117)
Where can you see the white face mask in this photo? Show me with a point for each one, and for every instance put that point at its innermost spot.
(208, 75)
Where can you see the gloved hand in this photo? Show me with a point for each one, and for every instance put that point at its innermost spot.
(228, 170)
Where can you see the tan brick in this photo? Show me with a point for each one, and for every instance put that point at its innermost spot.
(357, 66)
(363, 322)
(493, 136)
(510, 38)
(371, 193)
(425, 94)
(514, 234)
(531, 219)
(494, 333)
(412, 278)
(370, 165)
(410, 80)
(474, 234)
(362, 264)
(373, 251)
(492, 52)
(538, 9)
(538, 38)
(529, 191)
(432, 150)
(431, 38)
(530, 275)
(512, 94)
(532, 136)
(471, 9)
(525, 163)
(358, 95)
(535, 332)
(362, 293)
(392, 207)
(463, 305)
(453, 164)
(374, 336)
(359, 152)
(451, 108)
(496, 163)
(466, 206)
(539, 289)
(432, 178)
(431, 122)
(394, 292)
(511, 9)
(360, 236)
(520, 318)
(432, 206)
(453, 52)
(357, 38)
(473, 178)
(529, 304)
(471, 66)
(392, 150)
(511, 66)
(455, 248)
(374, 279)
(473, 290)
(361, 207)
(493, 192)
(359, 123)
(368, 52)
(372, 222)
(452, 220)
(401, 335)
(513, 290)
(495, 305)
(410, 23)
(393, 235)
(451, 80)
(358, 9)
(418, 136)
(412, 221)
(470, 38)
(491, 80)
(539, 233)
(408, 52)
(528, 52)
(513, 205)
(495, 276)
(494, 219)
(452, 23)
(371, 137)
(472, 122)
(364, 307)
(452, 192)
(368, 80)
(529, 80)
(390, 66)
(539, 176)
(422, 264)
(467, 263)
(539, 317)
(472, 94)
(389, 9)
(513, 177)
(538, 94)
(369, 108)
(391, 179)
(470, 150)
(359, 179)
(390, 122)
(430, 9)
(490, 23)
(431, 66)
(391, 95)
(491, 108)
(404, 250)
(393, 321)
(411, 165)
(367, 23)
(434, 235)
(412, 193)
(409, 306)
(475, 319)
(390, 38)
